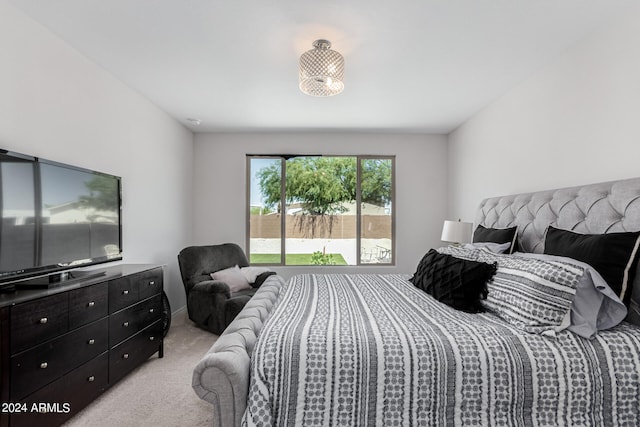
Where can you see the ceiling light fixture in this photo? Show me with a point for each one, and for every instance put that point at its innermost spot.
(321, 70)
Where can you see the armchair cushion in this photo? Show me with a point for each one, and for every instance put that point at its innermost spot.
(212, 287)
(233, 278)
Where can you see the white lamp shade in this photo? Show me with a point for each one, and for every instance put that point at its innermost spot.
(456, 231)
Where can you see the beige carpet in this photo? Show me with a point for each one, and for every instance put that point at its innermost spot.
(159, 392)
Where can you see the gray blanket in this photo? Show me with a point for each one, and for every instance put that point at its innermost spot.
(373, 350)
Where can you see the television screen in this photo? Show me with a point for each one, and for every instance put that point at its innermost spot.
(18, 230)
(55, 217)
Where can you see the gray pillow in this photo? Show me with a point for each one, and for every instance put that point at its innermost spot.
(596, 306)
(497, 248)
(233, 277)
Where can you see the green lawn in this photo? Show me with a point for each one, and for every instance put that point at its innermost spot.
(291, 259)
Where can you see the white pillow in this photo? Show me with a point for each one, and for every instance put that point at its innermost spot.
(233, 278)
(252, 273)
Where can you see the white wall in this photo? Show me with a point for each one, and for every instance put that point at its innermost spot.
(56, 104)
(575, 122)
(220, 185)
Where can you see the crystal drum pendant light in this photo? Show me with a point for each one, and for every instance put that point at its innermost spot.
(321, 70)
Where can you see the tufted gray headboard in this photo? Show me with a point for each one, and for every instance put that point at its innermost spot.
(606, 207)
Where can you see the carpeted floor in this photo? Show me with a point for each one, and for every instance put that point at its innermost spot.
(159, 392)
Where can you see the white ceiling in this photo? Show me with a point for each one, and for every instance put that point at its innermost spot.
(410, 65)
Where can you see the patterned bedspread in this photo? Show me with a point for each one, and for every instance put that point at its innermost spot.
(363, 350)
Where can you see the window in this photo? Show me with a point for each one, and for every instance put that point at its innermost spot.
(320, 210)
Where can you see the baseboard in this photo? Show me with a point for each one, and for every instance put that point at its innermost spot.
(179, 316)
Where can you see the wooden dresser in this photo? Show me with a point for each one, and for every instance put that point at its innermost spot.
(61, 347)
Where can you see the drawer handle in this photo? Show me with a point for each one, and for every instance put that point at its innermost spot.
(125, 356)
(152, 282)
(91, 341)
(125, 292)
(125, 324)
(151, 338)
(43, 320)
(91, 379)
(91, 304)
(44, 365)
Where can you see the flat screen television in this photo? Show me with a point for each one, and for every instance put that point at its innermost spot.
(56, 218)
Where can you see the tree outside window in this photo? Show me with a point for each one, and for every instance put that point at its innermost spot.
(320, 210)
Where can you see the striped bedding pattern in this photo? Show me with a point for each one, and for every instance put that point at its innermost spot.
(364, 350)
(532, 294)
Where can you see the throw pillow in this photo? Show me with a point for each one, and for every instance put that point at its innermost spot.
(497, 235)
(233, 278)
(498, 248)
(613, 255)
(261, 278)
(456, 282)
(252, 273)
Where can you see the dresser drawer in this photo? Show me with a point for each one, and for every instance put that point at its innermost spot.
(128, 355)
(127, 322)
(40, 365)
(88, 304)
(77, 389)
(37, 321)
(150, 283)
(122, 292)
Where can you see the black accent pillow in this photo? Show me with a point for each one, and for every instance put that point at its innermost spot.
(260, 278)
(457, 282)
(613, 255)
(497, 235)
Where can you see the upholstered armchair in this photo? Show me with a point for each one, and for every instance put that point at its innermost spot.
(212, 304)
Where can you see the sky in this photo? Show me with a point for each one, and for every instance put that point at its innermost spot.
(256, 165)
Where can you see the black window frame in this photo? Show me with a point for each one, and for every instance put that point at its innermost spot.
(359, 158)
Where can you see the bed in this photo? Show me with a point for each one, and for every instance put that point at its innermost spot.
(377, 350)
